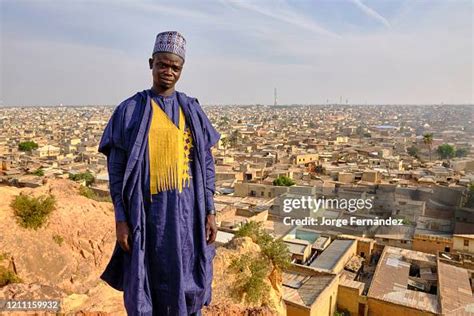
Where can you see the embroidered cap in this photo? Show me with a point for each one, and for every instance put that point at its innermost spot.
(170, 42)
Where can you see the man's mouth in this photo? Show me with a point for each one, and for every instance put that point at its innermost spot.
(167, 80)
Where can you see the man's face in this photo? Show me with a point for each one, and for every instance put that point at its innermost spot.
(166, 69)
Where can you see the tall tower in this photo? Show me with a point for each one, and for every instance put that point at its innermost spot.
(275, 97)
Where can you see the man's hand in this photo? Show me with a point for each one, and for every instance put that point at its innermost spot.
(123, 235)
(211, 228)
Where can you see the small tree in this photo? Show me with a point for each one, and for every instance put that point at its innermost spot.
(273, 249)
(446, 151)
(413, 151)
(283, 181)
(234, 137)
(462, 152)
(27, 146)
(225, 142)
(252, 271)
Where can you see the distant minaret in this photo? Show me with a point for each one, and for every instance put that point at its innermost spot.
(275, 97)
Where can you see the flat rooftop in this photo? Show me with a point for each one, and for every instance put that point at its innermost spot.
(330, 257)
(391, 278)
(303, 286)
(455, 290)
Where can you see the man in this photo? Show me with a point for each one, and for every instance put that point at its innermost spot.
(161, 172)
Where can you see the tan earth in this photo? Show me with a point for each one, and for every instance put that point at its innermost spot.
(70, 270)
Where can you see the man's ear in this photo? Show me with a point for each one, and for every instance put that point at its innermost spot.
(150, 63)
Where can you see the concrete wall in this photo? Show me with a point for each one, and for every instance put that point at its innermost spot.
(305, 158)
(414, 193)
(351, 251)
(325, 304)
(345, 177)
(260, 190)
(458, 244)
(448, 195)
(465, 164)
(382, 308)
(365, 247)
(348, 299)
(295, 310)
(431, 245)
(405, 244)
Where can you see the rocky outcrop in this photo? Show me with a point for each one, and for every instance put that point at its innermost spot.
(64, 258)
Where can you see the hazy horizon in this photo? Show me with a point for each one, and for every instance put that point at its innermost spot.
(313, 52)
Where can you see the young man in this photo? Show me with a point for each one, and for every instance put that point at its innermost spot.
(161, 172)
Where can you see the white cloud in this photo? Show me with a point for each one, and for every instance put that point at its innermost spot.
(288, 16)
(371, 12)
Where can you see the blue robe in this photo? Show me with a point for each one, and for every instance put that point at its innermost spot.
(125, 143)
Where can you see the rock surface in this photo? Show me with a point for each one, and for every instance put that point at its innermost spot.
(67, 269)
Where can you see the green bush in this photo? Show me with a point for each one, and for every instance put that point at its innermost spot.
(4, 255)
(283, 181)
(58, 239)
(90, 194)
(8, 277)
(32, 212)
(251, 229)
(87, 176)
(38, 172)
(27, 146)
(462, 152)
(413, 151)
(251, 274)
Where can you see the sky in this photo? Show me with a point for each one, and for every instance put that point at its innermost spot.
(76, 52)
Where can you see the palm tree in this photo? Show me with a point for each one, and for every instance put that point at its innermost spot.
(428, 140)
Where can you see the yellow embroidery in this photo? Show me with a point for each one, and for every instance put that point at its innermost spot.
(169, 147)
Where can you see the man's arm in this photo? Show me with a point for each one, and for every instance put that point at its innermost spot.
(210, 182)
(116, 164)
(211, 226)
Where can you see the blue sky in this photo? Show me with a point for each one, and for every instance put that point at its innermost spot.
(384, 51)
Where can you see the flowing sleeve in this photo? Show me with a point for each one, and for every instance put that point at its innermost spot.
(211, 137)
(210, 181)
(112, 145)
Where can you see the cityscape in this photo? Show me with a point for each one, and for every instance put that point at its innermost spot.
(414, 164)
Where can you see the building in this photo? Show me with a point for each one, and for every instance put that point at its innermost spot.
(309, 292)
